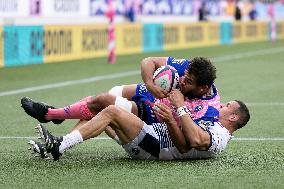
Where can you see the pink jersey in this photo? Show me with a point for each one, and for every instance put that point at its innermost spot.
(204, 108)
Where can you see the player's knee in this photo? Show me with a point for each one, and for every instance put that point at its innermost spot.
(112, 111)
(100, 102)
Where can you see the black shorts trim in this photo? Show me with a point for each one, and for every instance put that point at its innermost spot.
(151, 145)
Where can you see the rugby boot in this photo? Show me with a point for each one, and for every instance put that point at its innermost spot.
(38, 148)
(37, 110)
(51, 142)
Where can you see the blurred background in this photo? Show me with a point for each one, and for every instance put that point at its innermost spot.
(43, 31)
(58, 51)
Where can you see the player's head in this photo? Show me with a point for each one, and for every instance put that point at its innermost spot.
(234, 112)
(198, 78)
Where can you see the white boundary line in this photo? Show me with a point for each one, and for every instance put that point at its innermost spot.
(258, 139)
(266, 104)
(134, 72)
(22, 137)
(107, 138)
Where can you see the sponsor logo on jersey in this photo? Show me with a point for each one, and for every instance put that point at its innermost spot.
(178, 61)
(135, 151)
(204, 124)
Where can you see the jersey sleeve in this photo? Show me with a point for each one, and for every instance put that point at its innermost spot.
(179, 64)
(219, 139)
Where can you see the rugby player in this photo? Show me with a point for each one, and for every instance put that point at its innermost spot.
(158, 141)
(196, 84)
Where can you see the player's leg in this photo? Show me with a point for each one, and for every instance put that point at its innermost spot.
(45, 113)
(126, 125)
(109, 131)
(129, 91)
(137, 138)
(78, 110)
(105, 99)
(79, 124)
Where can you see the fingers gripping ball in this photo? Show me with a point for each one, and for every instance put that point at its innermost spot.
(167, 78)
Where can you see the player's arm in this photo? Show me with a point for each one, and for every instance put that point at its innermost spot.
(195, 136)
(148, 67)
(176, 134)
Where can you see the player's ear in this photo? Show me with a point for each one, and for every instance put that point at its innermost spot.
(233, 117)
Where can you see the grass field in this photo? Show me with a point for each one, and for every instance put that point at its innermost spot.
(255, 159)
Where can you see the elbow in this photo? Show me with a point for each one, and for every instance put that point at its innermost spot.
(145, 61)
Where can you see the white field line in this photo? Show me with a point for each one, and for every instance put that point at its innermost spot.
(266, 104)
(107, 138)
(134, 72)
(248, 54)
(71, 82)
(22, 137)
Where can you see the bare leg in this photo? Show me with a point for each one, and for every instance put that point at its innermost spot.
(126, 125)
(102, 101)
(129, 91)
(79, 124)
(109, 131)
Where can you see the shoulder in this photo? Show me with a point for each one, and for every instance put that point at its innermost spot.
(220, 137)
(179, 64)
(176, 61)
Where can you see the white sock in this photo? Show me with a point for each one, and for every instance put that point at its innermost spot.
(70, 140)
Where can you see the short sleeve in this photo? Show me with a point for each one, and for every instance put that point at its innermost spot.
(219, 139)
(179, 64)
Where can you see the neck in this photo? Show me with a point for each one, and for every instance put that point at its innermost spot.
(228, 125)
(230, 129)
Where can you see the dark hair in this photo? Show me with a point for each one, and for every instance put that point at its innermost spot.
(203, 70)
(244, 114)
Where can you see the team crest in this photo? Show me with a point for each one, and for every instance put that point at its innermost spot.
(198, 108)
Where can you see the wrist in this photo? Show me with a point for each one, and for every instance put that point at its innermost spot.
(183, 110)
(149, 83)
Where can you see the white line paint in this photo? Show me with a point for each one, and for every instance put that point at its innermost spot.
(248, 54)
(107, 138)
(266, 104)
(259, 139)
(30, 137)
(68, 83)
(134, 72)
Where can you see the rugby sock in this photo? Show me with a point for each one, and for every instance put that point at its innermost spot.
(78, 110)
(70, 140)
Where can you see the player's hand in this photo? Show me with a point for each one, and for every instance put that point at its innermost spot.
(164, 112)
(156, 91)
(176, 98)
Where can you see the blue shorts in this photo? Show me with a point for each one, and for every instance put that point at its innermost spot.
(143, 99)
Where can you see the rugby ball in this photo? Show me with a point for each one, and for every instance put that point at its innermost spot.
(166, 77)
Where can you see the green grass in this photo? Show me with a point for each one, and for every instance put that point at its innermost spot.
(257, 80)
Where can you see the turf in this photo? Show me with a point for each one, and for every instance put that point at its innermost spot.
(257, 80)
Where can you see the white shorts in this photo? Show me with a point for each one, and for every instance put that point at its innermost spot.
(145, 146)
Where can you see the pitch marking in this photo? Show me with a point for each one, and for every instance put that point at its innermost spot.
(135, 72)
(107, 138)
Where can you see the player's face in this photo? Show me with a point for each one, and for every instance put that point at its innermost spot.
(228, 109)
(188, 86)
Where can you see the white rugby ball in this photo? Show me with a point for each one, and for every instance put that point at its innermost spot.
(166, 77)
